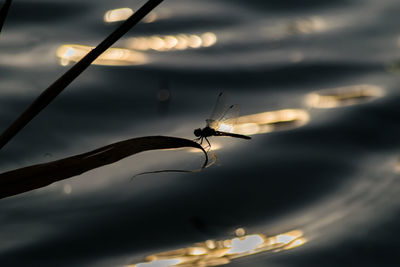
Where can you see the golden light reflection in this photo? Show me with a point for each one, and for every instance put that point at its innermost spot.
(214, 147)
(171, 42)
(245, 244)
(160, 263)
(295, 243)
(111, 57)
(344, 96)
(120, 14)
(307, 25)
(397, 165)
(264, 122)
(288, 237)
(270, 121)
(117, 14)
(219, 252)
(240, 232)
(228, 128)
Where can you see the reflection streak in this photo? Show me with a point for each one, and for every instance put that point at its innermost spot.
(270, 121)
(344, 96)
(307, 25)
(219, 252)
(121, 14)
(111, 57)
(118, 14)
(264, 122)
(301, 26)
(171, 42)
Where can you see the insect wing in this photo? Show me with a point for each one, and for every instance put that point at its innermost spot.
(223, 117)
(228, 119)
(219, 108)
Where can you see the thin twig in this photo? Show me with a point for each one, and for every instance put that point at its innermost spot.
(3, 12)
(59, 85)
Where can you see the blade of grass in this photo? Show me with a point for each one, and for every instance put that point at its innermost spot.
(36, 176)
(3, 12)
(59, 85)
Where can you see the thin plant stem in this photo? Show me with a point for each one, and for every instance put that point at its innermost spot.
(3, 12)
(59, 85)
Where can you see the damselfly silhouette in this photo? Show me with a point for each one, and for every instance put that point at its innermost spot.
(221, 122)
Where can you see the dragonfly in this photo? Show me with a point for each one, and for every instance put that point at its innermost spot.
(221, 122)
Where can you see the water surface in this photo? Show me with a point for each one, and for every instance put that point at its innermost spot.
(334, 177)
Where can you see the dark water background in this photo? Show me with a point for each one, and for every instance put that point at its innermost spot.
(335, 178)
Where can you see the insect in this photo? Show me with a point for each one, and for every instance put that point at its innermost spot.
(221, 122)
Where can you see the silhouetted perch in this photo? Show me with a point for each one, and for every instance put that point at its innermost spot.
(36, 176)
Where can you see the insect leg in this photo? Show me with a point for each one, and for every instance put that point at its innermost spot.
(209, 145)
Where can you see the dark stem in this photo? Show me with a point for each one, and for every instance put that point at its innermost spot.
(3, 12)
(59, 85)
(36, 176)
